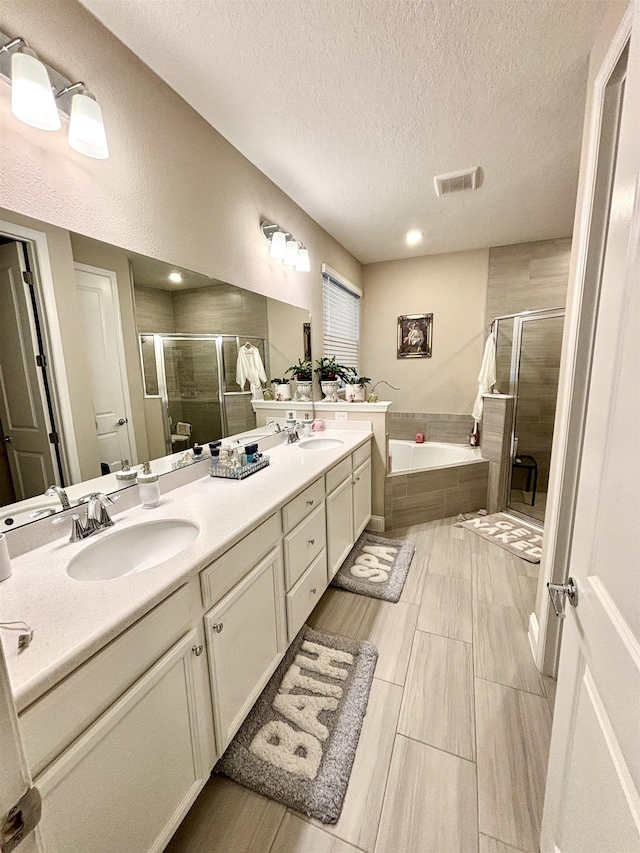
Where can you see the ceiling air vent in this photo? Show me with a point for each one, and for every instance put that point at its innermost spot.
(456, 182)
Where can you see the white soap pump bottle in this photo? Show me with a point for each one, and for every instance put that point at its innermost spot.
(149, 486)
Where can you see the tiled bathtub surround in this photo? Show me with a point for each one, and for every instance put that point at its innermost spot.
(454, 429)
(412, 498)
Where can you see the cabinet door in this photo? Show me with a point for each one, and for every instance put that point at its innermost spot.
(339, 526)
(246, 638)
(361, 497)
(127, 782)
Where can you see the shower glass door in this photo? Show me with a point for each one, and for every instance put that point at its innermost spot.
(535, 368)
(192, 381)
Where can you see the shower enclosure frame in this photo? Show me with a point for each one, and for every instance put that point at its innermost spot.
(519, 321)
(219, 339)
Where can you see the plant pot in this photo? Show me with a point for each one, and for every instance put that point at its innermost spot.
(303, 391)
(355, 393)
(330, 390)
(283, 392)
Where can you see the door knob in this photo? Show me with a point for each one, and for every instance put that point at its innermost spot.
(122, 421)
(7, 439)
(558, 592)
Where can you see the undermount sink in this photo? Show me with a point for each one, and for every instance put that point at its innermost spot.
(320, 443)
(131, 550)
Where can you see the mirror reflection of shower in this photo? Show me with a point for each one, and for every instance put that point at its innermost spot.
(528, 353)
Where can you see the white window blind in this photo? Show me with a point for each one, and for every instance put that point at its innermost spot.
(341, 310)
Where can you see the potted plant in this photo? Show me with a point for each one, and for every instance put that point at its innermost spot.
(281, 388)
(355, 391)
(373, 397)
(329, 372)
(302, 372)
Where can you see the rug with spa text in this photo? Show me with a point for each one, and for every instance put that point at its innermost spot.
(298, 743)
(376, 567)
(522, 539)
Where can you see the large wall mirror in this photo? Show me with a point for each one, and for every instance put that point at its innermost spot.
(107, 355)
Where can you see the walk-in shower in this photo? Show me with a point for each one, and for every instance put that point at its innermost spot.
(528, 348)
(195, 378)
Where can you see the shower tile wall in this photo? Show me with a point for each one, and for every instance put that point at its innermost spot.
(454, 429)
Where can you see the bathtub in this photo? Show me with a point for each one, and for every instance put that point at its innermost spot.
(409, 456)
(433, 480)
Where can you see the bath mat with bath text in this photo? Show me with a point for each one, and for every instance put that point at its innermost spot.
(515, 536)
(298, 743)
(376, 567)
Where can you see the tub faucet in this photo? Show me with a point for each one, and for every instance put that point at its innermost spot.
(58, 492)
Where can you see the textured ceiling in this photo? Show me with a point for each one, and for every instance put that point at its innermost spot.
(352, 106)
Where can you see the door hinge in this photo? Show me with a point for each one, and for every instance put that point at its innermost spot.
(27, 277)
(20, 821)
(53, 438)
(41, 360)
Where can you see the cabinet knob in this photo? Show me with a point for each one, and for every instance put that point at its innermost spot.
(356, 479)
(218, 627)
(310, 503)
(197, 650)
(312, 541)
(313, 591)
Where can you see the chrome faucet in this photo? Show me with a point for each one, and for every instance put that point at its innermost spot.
(276, 425)
(58, 492)
(97, 517)
(292, 433)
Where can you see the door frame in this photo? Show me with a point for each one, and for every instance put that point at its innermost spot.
(38, 258)
(122, 361)
(575, 368)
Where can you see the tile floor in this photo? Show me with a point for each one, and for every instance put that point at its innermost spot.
(453, 751)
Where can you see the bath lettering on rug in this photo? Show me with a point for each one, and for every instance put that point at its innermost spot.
(368, 564)
(278, 743)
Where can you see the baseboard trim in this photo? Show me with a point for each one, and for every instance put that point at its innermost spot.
(533, 635)
(376, 523)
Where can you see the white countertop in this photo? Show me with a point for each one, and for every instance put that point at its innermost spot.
(74, 619)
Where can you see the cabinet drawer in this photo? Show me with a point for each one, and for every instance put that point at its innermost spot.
(52, 722)
(361, 454)
(222, 575)
(337, 474)
(302, 505)
(306, 594)
(303, 545)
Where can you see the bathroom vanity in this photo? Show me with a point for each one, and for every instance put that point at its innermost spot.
(132, 687)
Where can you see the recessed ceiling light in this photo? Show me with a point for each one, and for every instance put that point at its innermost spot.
(414, 237)
(175, 276)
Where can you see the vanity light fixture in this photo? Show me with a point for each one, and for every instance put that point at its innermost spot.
(175, 277)
(40, 94)
(414, 237)
(284, 247)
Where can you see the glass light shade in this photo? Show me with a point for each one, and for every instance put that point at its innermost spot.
(32, 99)
(291, 257)
(303, 264)
(278, 245)
(86, 128)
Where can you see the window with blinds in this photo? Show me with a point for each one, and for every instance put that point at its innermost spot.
(341, 308)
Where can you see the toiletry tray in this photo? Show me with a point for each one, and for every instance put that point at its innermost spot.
(243, 472)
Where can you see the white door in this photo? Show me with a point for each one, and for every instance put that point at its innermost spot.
(592, 800)
(26, 429)
(97, 291)
(340, 538)
(15, 781)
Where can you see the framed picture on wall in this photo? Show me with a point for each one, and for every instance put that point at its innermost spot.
(414, 335)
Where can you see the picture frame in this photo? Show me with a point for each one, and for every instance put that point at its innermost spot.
(415, 335)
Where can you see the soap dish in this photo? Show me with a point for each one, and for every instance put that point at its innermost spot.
(243, 472)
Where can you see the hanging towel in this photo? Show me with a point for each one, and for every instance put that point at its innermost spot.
(250, 368)
(487, 375)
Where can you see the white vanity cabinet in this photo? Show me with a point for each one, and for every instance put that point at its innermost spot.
(361, 497)
(339, 525)
(130, 778)
(348, 505)
(246, 640)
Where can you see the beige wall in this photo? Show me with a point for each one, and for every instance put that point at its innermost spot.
(453, 287)
(286, 339)
(172, 188)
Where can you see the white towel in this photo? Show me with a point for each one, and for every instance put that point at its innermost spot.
(487, 375)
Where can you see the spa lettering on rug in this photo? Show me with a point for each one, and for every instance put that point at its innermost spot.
(521, 538)
(368, 565)
(299, 750)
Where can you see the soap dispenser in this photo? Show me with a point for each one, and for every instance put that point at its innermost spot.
(127, 475)
(149, 486)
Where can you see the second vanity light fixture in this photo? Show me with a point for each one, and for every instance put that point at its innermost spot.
(285, 248)
(39, 94)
